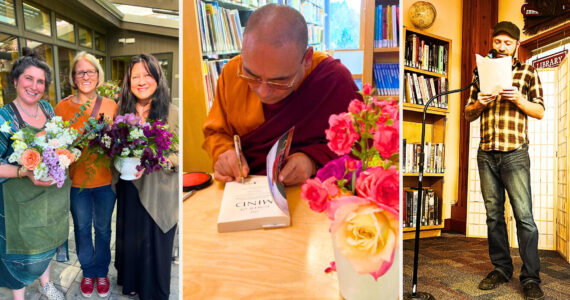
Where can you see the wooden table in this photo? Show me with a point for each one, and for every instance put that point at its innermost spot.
(284, 263)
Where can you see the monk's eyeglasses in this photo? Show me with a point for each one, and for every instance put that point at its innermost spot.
(270, 83)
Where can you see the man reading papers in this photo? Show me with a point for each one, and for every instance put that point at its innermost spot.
(276, 83)
(504, 164)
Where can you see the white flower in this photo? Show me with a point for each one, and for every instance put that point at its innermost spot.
(106, 141)
(17, 136)
(41, 171)
(55, 143)
(125, 152)
(76, 152)
(64, 161)
(19, 146)
(6, 128)
(135, 134)
(138, 152)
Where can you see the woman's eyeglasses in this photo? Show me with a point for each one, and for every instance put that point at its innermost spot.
(90, 73)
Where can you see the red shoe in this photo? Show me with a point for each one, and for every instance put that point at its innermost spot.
(103, 286)
(86, 287)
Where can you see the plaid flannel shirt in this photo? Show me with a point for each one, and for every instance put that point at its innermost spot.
(504, 127)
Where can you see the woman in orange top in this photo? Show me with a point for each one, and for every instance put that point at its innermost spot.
(93, 205)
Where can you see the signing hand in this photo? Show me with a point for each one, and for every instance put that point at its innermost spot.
(299, 167)
(30, 174)
(485, 99)
(227, 168)
(512, 94)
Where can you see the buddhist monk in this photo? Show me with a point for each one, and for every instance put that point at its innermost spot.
(276, 83)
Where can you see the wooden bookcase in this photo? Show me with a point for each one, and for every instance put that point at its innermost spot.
(372, 54)
(435, 127)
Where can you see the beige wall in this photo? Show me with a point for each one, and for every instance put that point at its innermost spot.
(146, 43)
(448, 24)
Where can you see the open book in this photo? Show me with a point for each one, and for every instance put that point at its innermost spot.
(261, 201)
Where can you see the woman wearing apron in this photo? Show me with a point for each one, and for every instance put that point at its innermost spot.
(33, 214)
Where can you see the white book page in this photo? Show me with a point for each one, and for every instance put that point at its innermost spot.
(495, 74)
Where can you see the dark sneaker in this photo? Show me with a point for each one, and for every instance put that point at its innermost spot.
(532, 291)
(493, 280)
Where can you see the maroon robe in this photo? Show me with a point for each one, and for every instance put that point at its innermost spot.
(327, 90)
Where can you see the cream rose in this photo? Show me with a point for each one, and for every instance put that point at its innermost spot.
(365, 233)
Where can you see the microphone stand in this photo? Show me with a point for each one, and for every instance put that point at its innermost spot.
(415, 294)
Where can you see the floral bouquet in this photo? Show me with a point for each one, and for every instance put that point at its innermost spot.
(47, 153)
(110, 89)
(359, 190)
(129, 137)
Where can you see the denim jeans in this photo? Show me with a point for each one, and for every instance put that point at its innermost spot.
(93, 207)
(510, 171)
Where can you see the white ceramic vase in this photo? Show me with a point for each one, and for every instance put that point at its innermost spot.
(127, 167)
(354, 286)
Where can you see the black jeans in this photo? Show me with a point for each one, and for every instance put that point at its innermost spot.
(511, 171)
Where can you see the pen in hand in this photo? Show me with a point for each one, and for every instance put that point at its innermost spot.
(237, 145)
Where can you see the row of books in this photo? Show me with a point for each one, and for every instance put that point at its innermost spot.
(386, 26)
(312, 13)
(434, 157)
(315, 33)
(429, 211)
(386, 77)
(418, 89)
(426, 55)
(250, 3)
(220, 28)
(212, 70)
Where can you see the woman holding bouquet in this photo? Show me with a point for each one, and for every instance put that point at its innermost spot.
(147, 208)
(92, 199)
(33, 213)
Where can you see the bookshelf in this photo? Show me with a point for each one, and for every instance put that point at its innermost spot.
(217, 27)
(426, 69)
(376, 51)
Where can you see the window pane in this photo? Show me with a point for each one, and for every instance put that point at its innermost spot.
(8, 54)
(36, 19)
(65, 30)
(99, 41)
(85, 37)
(46, 52)
(344, 24)
(65, 57)
(7, 12)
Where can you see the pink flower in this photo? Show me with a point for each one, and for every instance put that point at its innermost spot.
(341, 133)
(380, 186)
(351, 164)
(365, 233)
(367, 89)
(317, 193)
(331, 268)
(356, 106)
(387, 140)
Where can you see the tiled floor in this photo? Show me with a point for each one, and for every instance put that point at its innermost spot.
(67, 275)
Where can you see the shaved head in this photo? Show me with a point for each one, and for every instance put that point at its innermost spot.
(277, 25)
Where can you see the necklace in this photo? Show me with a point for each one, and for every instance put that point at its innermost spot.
(34, 115)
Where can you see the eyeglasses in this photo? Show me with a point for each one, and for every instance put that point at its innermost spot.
(273, 84)
(90, 73)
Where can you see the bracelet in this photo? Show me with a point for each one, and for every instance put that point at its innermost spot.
(19, 174)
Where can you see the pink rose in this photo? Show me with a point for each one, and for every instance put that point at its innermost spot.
(341, 133)
(387, 140)
(356, 106)
(380, 186)
(367, 89)
(317, 193)
(365, 233)
(351, 164)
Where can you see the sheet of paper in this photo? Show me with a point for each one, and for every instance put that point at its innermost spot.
(495, 74)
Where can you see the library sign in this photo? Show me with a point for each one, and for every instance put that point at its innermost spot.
(550, 61)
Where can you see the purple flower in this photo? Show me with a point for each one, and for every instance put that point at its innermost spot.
(52, 163)
(337, 168)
